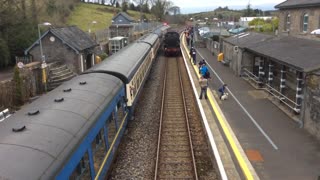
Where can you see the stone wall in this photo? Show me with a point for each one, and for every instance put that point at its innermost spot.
(31, 86)
(312, 106)
(296, 22)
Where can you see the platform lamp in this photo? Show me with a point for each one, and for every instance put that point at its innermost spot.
(43, 59)
(90, 24)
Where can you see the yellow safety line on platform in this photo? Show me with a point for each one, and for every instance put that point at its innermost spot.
(224, 126)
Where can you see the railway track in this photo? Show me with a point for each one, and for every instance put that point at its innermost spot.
(175, 156)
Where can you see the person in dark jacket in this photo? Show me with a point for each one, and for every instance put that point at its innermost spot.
(193, 55)
(222, 90)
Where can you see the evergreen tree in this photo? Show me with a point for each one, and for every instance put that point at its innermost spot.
(132, 7)
(124, 6)
(4, 53)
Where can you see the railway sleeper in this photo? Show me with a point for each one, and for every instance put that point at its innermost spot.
(175, 154)
(170, 166)
(174, 149)
(174, 122)
(176, 174)
(175, 133)
(173, 129)
(175, 139)
(175, 160)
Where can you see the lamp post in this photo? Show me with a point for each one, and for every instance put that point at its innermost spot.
(43, 59)
(41, 51)
(90, 24)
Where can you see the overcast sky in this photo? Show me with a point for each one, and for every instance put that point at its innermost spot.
(191, 6)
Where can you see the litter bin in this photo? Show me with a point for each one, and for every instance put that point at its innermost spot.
(220, 57)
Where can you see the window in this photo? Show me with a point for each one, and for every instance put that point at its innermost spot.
(288, 23)
(111, 125)
(99, 150)
(305, 22)
(82, 171)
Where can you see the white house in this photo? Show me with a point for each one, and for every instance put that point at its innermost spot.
(244, 21)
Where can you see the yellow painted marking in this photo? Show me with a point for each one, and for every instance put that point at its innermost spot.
(225, 128)
(109, 151)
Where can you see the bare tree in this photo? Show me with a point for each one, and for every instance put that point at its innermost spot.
(24, 10)
(34, 15)
(113, 2)
(140, 4)
(160, 7)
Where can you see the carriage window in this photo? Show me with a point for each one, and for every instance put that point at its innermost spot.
(82, 171)
(120, 113)
(111, 125)
(99, 150)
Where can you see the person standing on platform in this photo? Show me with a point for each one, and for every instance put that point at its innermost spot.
(204, 85)
(188, 40)
(201, 63)
(203, 71)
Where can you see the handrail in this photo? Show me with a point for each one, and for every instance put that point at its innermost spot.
(281, 97)
(252, 76)
(284, 99)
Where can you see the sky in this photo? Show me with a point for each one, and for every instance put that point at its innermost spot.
(192, 6)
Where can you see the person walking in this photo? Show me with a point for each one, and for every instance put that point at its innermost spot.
(222, 90)
(204, 85)
(193, 55)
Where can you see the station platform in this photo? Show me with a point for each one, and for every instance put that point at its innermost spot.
(255, 139)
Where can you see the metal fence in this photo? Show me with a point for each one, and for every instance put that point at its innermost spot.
(103, 35)
(24, 59)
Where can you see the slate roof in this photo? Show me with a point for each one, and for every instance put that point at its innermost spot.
(247, 39)
(302, 54)
(72, 36)
(298, 4)
(125, 15)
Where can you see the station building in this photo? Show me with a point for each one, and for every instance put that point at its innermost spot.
(286, 66)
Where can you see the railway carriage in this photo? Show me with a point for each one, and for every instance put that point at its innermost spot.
(51, 137)
(131, 66)
(74, 131)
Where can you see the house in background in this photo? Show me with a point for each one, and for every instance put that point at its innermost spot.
(286, 66)
(244, 21)
(122, 25)
(299, 18)
(67, 51)
(67, 45)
